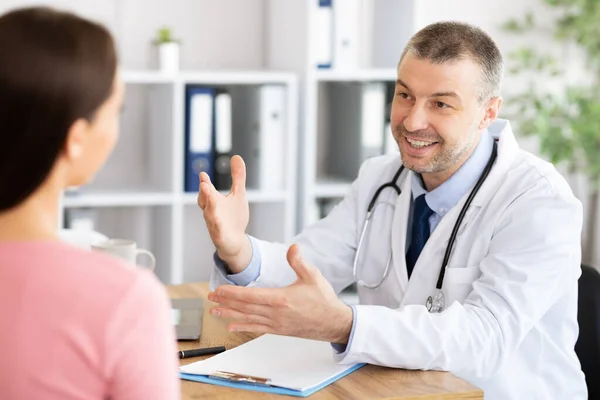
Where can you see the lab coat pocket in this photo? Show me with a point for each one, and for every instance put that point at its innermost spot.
(458, 283)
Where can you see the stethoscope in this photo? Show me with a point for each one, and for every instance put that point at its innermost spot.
(436, 302)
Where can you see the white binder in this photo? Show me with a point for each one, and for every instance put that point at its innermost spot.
(259, 123)
(346, 44)
(322, 36)
(223, 123)
(223, 141)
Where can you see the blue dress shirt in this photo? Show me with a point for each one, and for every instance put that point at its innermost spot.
(249, 274)
(449, 193)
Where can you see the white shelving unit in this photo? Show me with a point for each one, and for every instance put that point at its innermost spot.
(362, 75)
(139, 194)
(329, 188)
(385, 27)
(118, 199)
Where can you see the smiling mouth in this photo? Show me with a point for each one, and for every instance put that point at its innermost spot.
(419, 144)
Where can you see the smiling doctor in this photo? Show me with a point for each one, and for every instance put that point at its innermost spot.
(466, 256)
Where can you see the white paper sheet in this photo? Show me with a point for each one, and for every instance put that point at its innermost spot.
(288, 362)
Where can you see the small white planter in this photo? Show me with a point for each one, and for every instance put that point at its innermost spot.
(168, 57)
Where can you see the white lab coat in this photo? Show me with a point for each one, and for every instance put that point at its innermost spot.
(510, 323)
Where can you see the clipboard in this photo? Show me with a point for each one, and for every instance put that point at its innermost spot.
(272, 364)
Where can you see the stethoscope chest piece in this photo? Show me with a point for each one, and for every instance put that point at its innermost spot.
(435, 303)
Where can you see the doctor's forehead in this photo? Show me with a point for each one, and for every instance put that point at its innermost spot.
(426, 79)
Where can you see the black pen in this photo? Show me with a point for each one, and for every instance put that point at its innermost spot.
(200, 352)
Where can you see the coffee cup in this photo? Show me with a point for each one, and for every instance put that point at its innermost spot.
(126, 250)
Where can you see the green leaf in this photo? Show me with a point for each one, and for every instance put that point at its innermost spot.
(519, 26)
(567, 123)
(164, 35)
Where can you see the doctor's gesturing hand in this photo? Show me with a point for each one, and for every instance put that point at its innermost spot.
(308, 308)
(227, 216)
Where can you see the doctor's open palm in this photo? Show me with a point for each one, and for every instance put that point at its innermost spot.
(227, 216)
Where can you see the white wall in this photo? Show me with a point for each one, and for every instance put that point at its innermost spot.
(214, 33)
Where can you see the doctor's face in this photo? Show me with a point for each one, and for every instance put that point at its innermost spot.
(436, 115)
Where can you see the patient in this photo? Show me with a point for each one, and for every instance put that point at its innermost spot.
(75, 324)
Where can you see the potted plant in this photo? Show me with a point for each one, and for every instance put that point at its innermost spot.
(564, 116)
(168, 50)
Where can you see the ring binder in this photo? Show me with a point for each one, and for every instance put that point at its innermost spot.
(240, 378)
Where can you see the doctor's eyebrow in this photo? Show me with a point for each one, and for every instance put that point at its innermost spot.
(436, 94)
(399, 82)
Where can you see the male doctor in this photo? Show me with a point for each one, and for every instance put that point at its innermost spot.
(506, 318)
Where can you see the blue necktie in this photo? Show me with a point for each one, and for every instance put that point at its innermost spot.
(420, 232)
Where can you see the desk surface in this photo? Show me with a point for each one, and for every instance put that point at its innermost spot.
(368, 383)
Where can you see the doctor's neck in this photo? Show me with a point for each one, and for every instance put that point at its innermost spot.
(432, 180)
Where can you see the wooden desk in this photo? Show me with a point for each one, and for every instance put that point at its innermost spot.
(368, 383)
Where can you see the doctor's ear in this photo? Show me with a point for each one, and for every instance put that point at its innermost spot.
(491, 112)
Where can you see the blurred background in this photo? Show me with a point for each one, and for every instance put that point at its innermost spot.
(301, 89)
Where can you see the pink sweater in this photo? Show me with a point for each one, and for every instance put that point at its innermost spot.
(81, 325)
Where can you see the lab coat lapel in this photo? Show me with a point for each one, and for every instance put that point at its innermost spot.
(399, 229)
(508, 149)
(425, 273)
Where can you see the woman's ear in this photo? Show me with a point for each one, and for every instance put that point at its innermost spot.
(76, 138)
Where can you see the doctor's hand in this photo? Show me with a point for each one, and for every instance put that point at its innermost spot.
(309, 308)
(227, 217)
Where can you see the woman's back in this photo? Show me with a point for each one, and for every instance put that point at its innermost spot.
(80, 325)
(76, 324)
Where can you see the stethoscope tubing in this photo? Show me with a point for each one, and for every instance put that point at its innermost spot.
(394, 185)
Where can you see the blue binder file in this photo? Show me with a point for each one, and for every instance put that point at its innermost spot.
(272, 364)
(199, 135)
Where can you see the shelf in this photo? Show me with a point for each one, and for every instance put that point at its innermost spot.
(146, 77)
(117, 199)
(356, 75)
(329, 188)
(209, 77)
(254, 196)
(237, 77)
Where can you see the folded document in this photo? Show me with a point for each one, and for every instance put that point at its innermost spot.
(273, 364)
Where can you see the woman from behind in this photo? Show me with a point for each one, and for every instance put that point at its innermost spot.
(76, 324)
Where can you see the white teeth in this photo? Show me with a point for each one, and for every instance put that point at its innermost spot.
(418, 144)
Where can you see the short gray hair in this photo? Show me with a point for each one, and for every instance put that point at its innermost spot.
(449, 41)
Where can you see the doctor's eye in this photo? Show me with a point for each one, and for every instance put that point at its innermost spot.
(403, 95)
(441, 105)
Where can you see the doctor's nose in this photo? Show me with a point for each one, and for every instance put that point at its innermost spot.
(416, 119)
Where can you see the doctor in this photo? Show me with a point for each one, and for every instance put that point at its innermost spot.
(468, 261)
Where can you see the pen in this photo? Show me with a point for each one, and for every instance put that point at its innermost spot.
(200, 352)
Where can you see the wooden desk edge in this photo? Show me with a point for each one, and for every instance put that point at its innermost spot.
(201, 289)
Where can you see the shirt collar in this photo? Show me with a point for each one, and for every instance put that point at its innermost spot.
(449, 193)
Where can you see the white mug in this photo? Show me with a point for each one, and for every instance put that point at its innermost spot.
(124, 249)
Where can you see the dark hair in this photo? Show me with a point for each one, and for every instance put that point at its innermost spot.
(56, 68)
(444, 42)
